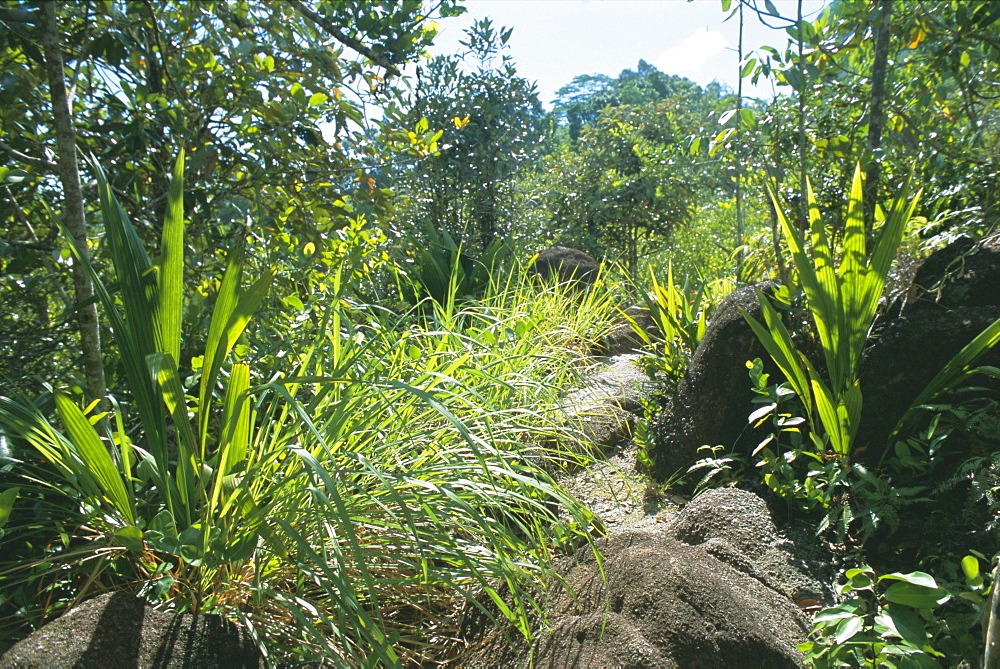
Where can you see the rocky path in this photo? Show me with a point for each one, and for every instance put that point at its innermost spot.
(708, 582)
(606, 410)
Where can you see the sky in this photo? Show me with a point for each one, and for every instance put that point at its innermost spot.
(556, 40)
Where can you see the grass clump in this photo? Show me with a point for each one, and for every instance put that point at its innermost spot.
(345, 510)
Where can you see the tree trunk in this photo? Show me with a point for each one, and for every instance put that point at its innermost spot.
(740, 227)
(69, 176)
(876, 109)
(803, 168)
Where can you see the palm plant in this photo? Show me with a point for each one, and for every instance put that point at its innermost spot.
(681, 313)
(842, 301)
(182, 490)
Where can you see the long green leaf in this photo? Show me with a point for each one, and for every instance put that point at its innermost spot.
(7, 498)
(94, 457)
(829, 415)
(133, 268)
(246, 305)
(187, 481)
(854, 259)
(235, 428)
(954, 372)
(858, 289)
(887, 242)
(225, 303)
(232, 313)
(817, 293)
(778, 343)
(134, 344)
(170, 304)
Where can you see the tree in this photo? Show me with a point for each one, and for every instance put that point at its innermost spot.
(580, 102)
(628, 185)
(489, 120)
(267, 98)
(910, 87)
(73, 218)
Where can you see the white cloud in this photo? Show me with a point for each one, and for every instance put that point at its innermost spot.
(688, 57)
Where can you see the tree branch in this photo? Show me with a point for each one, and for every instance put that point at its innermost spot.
(12, 15)
(25, 158)
(334, 31)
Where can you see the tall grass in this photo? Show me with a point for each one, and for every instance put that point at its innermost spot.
(345, 510)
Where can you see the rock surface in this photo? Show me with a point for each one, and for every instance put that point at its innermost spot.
(728, 519)
(713, 399)
(700, 591)
(568, 265)
(119, 630)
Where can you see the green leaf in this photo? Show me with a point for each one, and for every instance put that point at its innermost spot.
(12, 175)
(164, 369)
(169, 307)
(970, 567)
(903, 622)
(829, 415)
(839, 612)
(794, 78)
(235, 439)
(917, 596)
(778, 342)
(916, 578)
(130, 537)
(95, 458)
(7, 498)
(133, 333)
(225, 304)
(847, 629)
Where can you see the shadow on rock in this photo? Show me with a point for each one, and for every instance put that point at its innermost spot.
(713, 588)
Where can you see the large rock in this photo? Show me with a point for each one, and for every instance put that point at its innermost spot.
(567, 265)
(605, 410)
(119, 630)
(962, 274)
(620, 381)
(713, 399)
(604, 427)
(668, 605)
(698, 592)
(792, 561)
(955, 296)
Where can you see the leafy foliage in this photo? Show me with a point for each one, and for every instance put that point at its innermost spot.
(842, 302)
(392, 462)
(894, 620)
(490, 124)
